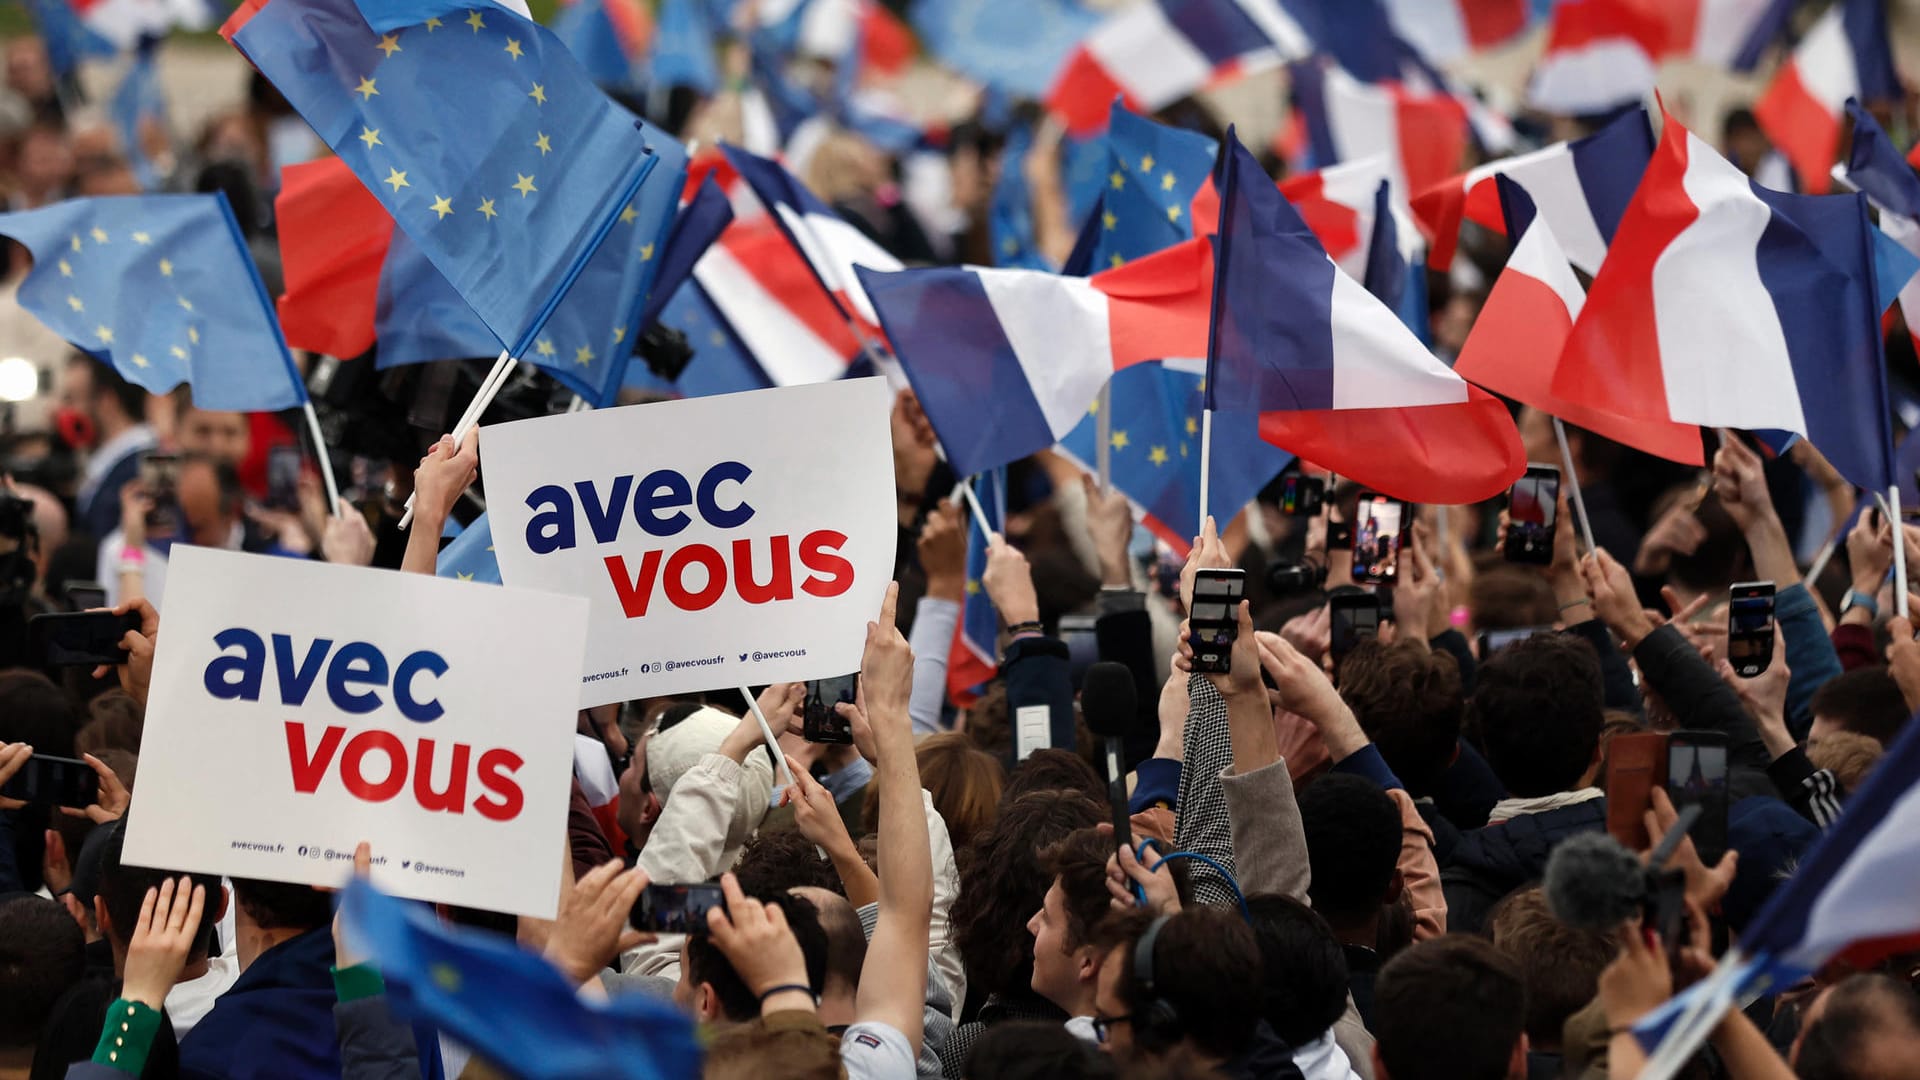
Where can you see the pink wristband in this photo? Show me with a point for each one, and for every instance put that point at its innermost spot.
(135, 555)
(1459, 617)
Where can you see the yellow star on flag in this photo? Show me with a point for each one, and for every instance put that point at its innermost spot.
(142, 238)
(1193, 426)
(463, 577)
(486, 208)
(1173, 213)
(139, 360)
(66, 268)
(1183, 449)
(1094, 409)
(973, 587)
(1158, 455)
(366, 89)
(646, 252)
(178, 353)
(1166, 181)
(397, 178)
(370, 136)
(717, 338)
(186, 303)
(544, 347)
(629, 216)
(99, 235)
(104, 334)
(433, 24)
(538, 93)
(74, 303)
(1146, 164)
(1117, 179)
(524, 185)
(193, 335)
(1115, 261)
(1120, 440)
(513, 49)
(1009, 245)
(583, 356)
(474, 20)
(166, 267)
(442, 206)
(389, 44)
(446, 976)
(1108, 221)
(619, 334)
(76, 241)
(543, 144)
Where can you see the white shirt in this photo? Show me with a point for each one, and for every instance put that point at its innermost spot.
(874, 1051)
(134, 440)
(188, 1001)
(1081, 1027)
(153, 568)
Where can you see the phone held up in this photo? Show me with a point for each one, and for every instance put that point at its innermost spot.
(54, 781)
(80, 638)
(1690, 765)
(1380, 529)
(1531, 508)
(1353, 616)
(675, 909)
(1215, 618)
(820, 722)
(1750, 627)
(1302, 496)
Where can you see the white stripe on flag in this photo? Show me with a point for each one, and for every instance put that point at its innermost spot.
(1553, 182)
(1142, 51)
(834, 248)
(1059, 332)
(790, 352)
(1872, 894)
(1597, 76)
(1364, 121)
(1539, 257)
(1290, 42)
(1824, 62)
(1723, 26)
(1377, 362)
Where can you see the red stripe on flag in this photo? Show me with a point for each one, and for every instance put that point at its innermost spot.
(632, 25)
(333, 241)
(240, 17)
(1490, 22)
(1158, 306)
(1433, 137)
(1336, 225)
(1801, 127)
(1448, 454)
(766, 253)
(1082, 94)
(886, 45)
(1438, 210)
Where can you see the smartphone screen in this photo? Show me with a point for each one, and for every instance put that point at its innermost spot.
(1697, 775)
(1492, 641)
(54, 781)
(81, 638)
(820, 722)
(1750, 627)
(1379, 530)
(675, 909)
(1302, 495)
(159, 476)
(1083, 647)
(1531, 506)
(1352, 618)
(1636, 764)
(283, 478)
(1214, 618)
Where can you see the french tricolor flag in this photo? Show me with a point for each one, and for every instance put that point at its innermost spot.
(1600, 54)
(1446, 30)
(1845, 55)
(1422, 136)
(1158, 51)
(773, 302)
(1875, 167)
(1581, 187)
(1337, 203)
(1724, 304)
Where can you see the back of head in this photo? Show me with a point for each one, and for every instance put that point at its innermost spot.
(1849, 756)
(1536, 708)
(1407, 698)
(1560, 965)
(846, 938)
(277, 905)
(1305, 969)
(707, 964)
(1504, 597)
(72, 1032)
(124, 889)
(115, 722)
(1868, 1027)
(1865, 701)
(1034, 1050)
(776, 860)
(1198, 980)
(1450, 1008)
(965, 783)
(1353, 845)
(752, 1050)
(42, 955)
(1004, 883)
(35, 711)
(1053, 769)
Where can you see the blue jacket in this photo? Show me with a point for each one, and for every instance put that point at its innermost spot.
(1811, 660)
(275, 1022)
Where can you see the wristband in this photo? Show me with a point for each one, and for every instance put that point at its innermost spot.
(132, 556)
(783, 988)
(1459, 617)
(1031, 626)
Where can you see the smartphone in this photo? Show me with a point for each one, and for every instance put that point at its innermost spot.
(1380, 527)
(1302, 495)
(675, 909)
(819, 721)
(1352, 618)
(54, 781)
(80, 638)
(1492, 641)
(283, 478)
(1215, 618)
(1083, 646)
(160, 476)
(84, 595)
(1750, 627)
(1636, 764)
(1531, 506)
(1697, 775)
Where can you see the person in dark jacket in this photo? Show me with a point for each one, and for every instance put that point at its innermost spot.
(277, 1019)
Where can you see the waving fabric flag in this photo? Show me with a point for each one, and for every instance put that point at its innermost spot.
(974, 658)
(1875, 167)
(1337, 203)
(1422, 136)
(1167, 164)
(1156, 52)
(1013, 46)
(683, 48)
(470, 556)
(1447, 30)
(483, 138)
(1846, 55)
(334, 236)
(68, 40)
(700, 223)
(138, 105)
(608, 37)
(1724, 304)
(1005, 362)
(1581, 187)
(758, 281)
(1396, 276)
(1336, 376)
(1010, 208)
(721, 363)
(162, 288)
(1600, 55)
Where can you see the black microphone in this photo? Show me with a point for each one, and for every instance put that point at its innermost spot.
(1594, 883)
(1109, 704)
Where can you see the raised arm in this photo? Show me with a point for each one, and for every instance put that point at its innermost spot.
(437, 484)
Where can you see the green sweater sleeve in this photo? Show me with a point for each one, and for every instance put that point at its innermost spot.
(127, 1037)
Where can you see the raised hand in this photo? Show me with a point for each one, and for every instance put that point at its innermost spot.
(345, 538)
(136, 675)
(1610, 589)
(943, 552)
(162, 935)
(13, 758)
(109, 803)
(1110, 520)
(755, 939)
(1207, 553)
(1009, 583)
(591, 928)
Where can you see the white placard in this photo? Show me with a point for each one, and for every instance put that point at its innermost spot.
(298, 708)
(722, 541)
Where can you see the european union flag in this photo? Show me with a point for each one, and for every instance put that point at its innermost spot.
(138, 101)
(1010, 209)
(974, 658)
(606, 39)
(683, 47)
(470, 556)
(1154, 449)
(721, 364)
(1167, 164)
(478, 131)
(699, 223)
(511, 1006)
(1013, 46)
(68, 40)
(162, 288)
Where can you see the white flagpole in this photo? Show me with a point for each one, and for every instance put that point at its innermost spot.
(1439, 543)
(1206, 460)
(773, 742)
(1102, 433)
(973, 504)
(1899, 552)
(326, 463)
(489, 389)
(1572, 480)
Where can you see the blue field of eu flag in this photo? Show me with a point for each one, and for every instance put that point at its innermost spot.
(1153, 172)
(470, 556)
(721, 363)
(478, 131)
(162, 288)
(512, 1007)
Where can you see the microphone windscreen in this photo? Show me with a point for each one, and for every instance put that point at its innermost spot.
(1594, 883)
(1108, 700)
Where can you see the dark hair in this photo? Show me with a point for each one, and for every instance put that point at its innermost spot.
(707, 964)
(1054, 769)
(226, 478)
(1449, 1008)
(1505, 597)
(35, 711)
(1865, 701)
(1305, 968)
(42, 954)
(1034, 1050)
(124, 889)
(1079, 862)
(277, 905)
(115, 723)
(1408, 700)
(846, 939)
(106, 380)
(1739, 121)
(1834, 1046)
(1003, 884)
(964, 780)
(1353, 845)
(1536, 706)
(1206, 965)
(1560, 965)
(776, 860)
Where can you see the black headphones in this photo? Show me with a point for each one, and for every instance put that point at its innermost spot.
(1159, 1027)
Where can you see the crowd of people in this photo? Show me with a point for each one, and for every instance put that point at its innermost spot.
(1335, 863)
